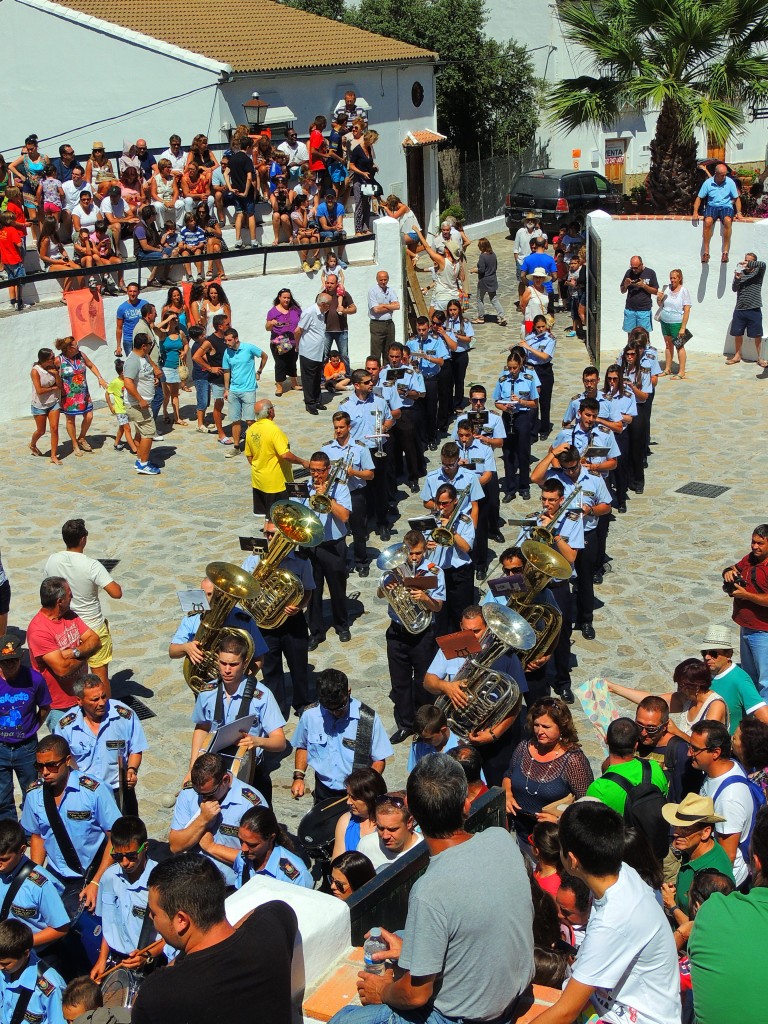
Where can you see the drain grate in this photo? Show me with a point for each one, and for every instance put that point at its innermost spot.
(702, 490)
(109, 563)
(141, 709)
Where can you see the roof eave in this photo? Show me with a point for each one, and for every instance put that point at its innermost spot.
(426, 58)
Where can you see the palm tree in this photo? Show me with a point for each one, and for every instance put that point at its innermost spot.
(698, 62)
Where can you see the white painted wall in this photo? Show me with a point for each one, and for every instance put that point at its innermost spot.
(665, 245)
(22, 334)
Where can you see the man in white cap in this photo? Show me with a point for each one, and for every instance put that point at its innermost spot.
(693, 823)
(729, 680)
(525, 235)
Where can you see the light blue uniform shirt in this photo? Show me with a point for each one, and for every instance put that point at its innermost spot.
(362, 415)
(300, 567)
(433, 345)
(493, 429)
(719, 194)
(330, 742)
(449, 668)
(420, 748)
(425, 568)
(646, 384)
(543, 343)
(451, 557)
(333, 528)
(572, 412)
(87, 809)
(412, 381)
(242, 367)
(37, 903)
(282, 865)
(224, 827)
(361, 460)
(45, 1005)
(622, 405)
(435, 480)
(454, 327)
(525, 385)
(263, 705)
(122, 906)
(599, 436)
(569, 526)
(481, 454)
(594, 491)
(120, 734)
(238, 618)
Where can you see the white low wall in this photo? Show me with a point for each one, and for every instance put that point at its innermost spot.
(22, 334)
(668, 244)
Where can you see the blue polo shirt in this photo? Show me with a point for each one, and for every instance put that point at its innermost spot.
(719, 195)
(241, 365)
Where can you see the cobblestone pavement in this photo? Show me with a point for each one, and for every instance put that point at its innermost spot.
(666, 553)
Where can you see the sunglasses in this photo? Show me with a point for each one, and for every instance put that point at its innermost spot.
(336, 884)
(711, 654)
(49, 766)
(99, 150)
(388, 798)
(650, 729)
(132, 856)
(477, 401)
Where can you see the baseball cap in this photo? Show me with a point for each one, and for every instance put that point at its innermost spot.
(10, 648)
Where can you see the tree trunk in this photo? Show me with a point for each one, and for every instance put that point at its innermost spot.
(672, 182)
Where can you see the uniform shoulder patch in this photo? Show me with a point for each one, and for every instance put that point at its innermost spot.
(288, 869)
(251, 796)
(67, 720)
(464, 518)
(361, 443)
(574, 397)
(45, 986)
(258, 694)
(22, 912)
(187, 785)
(315, 705)
(123, 711)
(208, 686)
(34, 785)
(88, 783)
(528, 376)
(36, 878)
(573, 516)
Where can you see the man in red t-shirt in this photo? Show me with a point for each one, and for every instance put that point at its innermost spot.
(318, 148)
(59, 644)
(747, 583)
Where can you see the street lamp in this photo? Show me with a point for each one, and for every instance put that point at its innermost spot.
(255, 111)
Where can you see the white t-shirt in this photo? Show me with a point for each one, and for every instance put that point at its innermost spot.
(72, 193)
(296, 156)
(735, 805)
(379, 855)
(672, 310)
(85, 577)
(628, 955)
(88, 220)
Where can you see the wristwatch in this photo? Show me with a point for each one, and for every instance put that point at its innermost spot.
(77, 653)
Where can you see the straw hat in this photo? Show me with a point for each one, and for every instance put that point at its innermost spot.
(692, 810)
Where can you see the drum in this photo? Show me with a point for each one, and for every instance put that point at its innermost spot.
(317, 827)
(121, 987)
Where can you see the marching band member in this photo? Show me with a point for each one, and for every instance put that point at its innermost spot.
(409, 653)
(622, 412)
(590, 378)
(455, 559)
(481, 460)
(184, 645)
(539, 348)
(329, 558)
(36, 900)
(359, 471)
(208, 813)
(638, 379)
(232, 696)
(451, 472)
(363, 409)
(516, 397)
(586, 431)
(266, 850)
(429, 353)
(405, 435)
(327, 737)
(291, 638)
(496, 743)
(568, 532)
(491, 433)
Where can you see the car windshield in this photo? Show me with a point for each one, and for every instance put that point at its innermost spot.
(536, 186)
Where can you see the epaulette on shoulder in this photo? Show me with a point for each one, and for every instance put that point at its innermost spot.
(123, 711)
(88, 783)
(68, 720)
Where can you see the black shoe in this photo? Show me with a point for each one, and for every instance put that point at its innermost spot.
(480, 573)
(566, 694)
(621, 508)
(607, 568)
(645, 463)
(311, 410)
(384, 533)
(640, 489)
(314, 641)
(525, 495)
(414, 486)
(544, 434)
(400, 735)
(597, 578)
(363, 569)
(433, 446)
(345, 636)
(507, 498)
(588, 631)
(498, 537)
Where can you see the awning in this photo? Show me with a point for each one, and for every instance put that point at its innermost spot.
(424, 137)
(279, 115)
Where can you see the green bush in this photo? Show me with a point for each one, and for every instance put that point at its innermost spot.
(453, 211)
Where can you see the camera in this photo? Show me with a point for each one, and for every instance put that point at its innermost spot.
(737, 581)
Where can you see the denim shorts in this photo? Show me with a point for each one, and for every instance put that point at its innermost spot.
(203, 392)
(244, 204)
(37, 411)
(15, 272)
(241, 405)
(217, 391)
(172, 375)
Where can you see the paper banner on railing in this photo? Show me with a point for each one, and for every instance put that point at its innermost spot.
(598, 705)
(86, 314)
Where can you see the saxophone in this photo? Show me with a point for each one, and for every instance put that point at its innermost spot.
(492, 695)
(395, 569)
(296, 526)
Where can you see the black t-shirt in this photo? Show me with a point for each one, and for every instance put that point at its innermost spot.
(216, 358)
(247, 977)
(639, 298)
(240, 166)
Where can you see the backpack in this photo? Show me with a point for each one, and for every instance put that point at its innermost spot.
(642, 808)
(758, 800)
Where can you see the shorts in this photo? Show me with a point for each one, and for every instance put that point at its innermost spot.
(15, 272)
(338, 172)
(51, 208)
(37, 411)
(5, 597)
(670, 330)
(171, 375)
(241, 405)
(203, 393)
(104, 654)
(217, 392)
(412, 235)
(122, 419)
(637, 318)
(718, 212)
(142, 419)
(244, 204)
(747, 321)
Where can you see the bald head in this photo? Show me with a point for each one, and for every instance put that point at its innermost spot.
(263, 409)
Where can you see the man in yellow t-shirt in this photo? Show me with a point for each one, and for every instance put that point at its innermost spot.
(269, 454)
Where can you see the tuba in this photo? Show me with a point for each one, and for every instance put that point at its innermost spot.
(297, 526)
(414, 617)
(230, 585)
(493, 695)
(542, 564)
(443, 535)
(337, 474)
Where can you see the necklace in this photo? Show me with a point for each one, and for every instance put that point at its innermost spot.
(542, 780)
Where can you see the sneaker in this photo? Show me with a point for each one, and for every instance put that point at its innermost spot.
(239, 244)
(92, 282)
(305, 267)
(120, 447)
(318, 264)
(146, 468)
(570, 334)
(158, 437)
(233, 451)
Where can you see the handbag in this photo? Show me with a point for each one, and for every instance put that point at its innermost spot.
(282, 345)
(681, 339)
(183, 371)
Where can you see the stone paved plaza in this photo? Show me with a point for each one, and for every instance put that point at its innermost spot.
(666, 553)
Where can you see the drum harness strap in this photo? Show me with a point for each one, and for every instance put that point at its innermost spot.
(66, 846)
(14, 887)
(25, 994)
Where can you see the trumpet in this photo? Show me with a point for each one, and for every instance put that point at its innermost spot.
(337, 474)
(378, 435)
(443, 535)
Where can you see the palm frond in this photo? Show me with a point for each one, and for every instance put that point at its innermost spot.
(575, 102)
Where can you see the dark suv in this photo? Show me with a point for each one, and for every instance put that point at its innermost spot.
(558, 197)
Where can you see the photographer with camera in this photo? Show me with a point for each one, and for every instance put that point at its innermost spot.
(747, 583)
(748, 314)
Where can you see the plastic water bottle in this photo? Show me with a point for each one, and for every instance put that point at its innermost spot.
(375, 943)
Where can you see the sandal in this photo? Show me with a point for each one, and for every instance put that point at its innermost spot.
(705, 257)
(34, 450)
(502, 323)
(278, 391)
(479, 320)
(76, 451)
(84, 444)
(665, 373)
(724, 258)
(118, 354)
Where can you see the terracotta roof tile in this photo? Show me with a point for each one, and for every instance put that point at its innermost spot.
(423, 137)
(251, 35)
